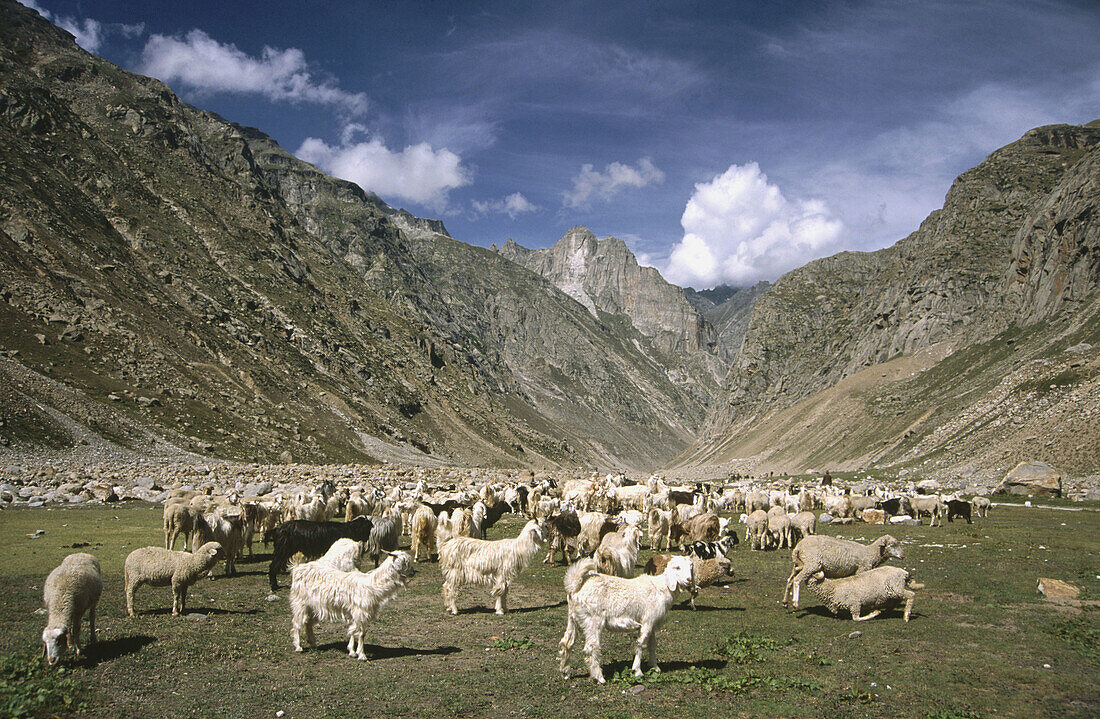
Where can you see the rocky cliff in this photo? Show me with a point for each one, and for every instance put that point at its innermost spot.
(835, 346)
(170, 281)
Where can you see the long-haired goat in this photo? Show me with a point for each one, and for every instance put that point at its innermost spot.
(599, 601)
(319, 592)
(618, 551)
(424, 524)
(465, 561)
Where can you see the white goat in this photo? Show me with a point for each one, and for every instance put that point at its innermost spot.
(618, 551)
(598, 601)
(465, 561)
(319, 592)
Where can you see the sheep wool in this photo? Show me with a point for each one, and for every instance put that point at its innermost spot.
(71, 589)
(159, 567)
(876, 590)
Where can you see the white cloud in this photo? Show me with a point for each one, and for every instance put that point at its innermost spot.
(416, 174)
(512, 205)
(89, 33)
(739, 228)
(589, 183)
(201, 63)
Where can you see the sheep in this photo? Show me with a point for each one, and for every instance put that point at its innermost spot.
(931, 505)
(981, 505)
(385, 534)
(71, 589)
(700, 528)
(561, 528)
(321, 592)
(755, 501)
(837, 558)
(805, 523)
(618, 551)
(464, 561)
(756, 531)
(424, 524)
(707, 571)
(310, 538)
(779, 526)
(958, 508)
(660, 521)
(598, 601)
(593, 526)
(876, 589)
(839, 506)
(160, 567)
(226, 531)
(179, 520)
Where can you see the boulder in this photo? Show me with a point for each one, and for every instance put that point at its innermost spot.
(905, 520)
(1031, 478)
(825, 518)
(1057, 589)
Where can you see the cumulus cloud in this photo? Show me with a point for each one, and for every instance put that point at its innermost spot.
(590, 183)
(201, 63)
(739, 228)
(512, 205)
(418, 174)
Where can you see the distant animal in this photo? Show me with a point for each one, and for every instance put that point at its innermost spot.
(958, 508)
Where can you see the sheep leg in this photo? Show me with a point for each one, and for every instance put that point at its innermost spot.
(592, 630)
(130, 599)
(909, 597)
(856, 608)
(74, 637)
(91, 623)
(566, 644)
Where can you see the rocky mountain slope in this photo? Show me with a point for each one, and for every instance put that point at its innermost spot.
(728, 310)
(170, 281)
(951, 349)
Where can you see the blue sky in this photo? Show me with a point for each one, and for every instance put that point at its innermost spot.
(725, 142)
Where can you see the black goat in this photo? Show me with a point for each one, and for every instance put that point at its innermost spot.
(958, 508)
(562, 527)
(895, 506)
(311, 539)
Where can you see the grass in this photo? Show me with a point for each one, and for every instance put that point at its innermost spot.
(976, 646)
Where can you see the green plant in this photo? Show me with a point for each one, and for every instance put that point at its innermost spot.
(1081, 635)
(508, 643)
(744, 648)
(29, 687)
(953, 714)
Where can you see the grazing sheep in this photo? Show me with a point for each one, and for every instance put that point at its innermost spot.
(958, 508)
(226, 531)
(320, 592)
(805, 523)
(179, 520)
(707, 571)
(755, 501)
(562, 528)
(837, 558)
(424, 524)
(710, 550)
(310, 538)
(876, 589)
(981, 505)
(756, 529)
(71, 589)
(931, 505)
(598, 601)
(779, 527)
(660, 521)
(465, 561)
(160, 567)
(618, 551)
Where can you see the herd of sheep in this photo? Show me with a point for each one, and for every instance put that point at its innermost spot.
(596, 523)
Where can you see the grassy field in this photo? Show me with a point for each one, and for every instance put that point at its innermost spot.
(978, 645)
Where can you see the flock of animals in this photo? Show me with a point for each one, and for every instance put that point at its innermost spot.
(595, 523)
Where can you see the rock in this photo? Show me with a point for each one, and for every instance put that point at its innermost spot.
(146, 483)
(100, 491)
(844, 520)
(1057, 589)
(825, 518)
(148, 401)
(196, 617)
(1031, 478)
(71, 334)
(1092, 495)
(77, 499)
(286, 457)
(1083, 347)
(271, 598)
(874, 516)
(855, 635)
(928, 485)
(636, 689)
(904, 520)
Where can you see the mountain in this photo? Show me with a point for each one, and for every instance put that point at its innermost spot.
(728, 310)
(959, 349)
(172, 282)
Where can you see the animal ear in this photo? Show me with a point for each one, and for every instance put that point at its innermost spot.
(819, 575)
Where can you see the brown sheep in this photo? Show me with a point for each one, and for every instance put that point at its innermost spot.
(707, 571)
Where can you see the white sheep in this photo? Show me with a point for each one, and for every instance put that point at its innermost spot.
(981, 505)
(465, 561)
(598, 601)
(319, 592)
(779, 526)
(756, 529)
(660, 523)
(875, 589)
(179, 520)
(159, 567)
(837, 558)
(931, 505)
(226, 531)
(618, 551)
(71, 589)
(805, 523)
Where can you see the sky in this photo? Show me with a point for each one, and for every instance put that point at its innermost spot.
(725, 142)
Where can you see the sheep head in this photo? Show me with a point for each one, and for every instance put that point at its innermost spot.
(55, 643)
(892, 547)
